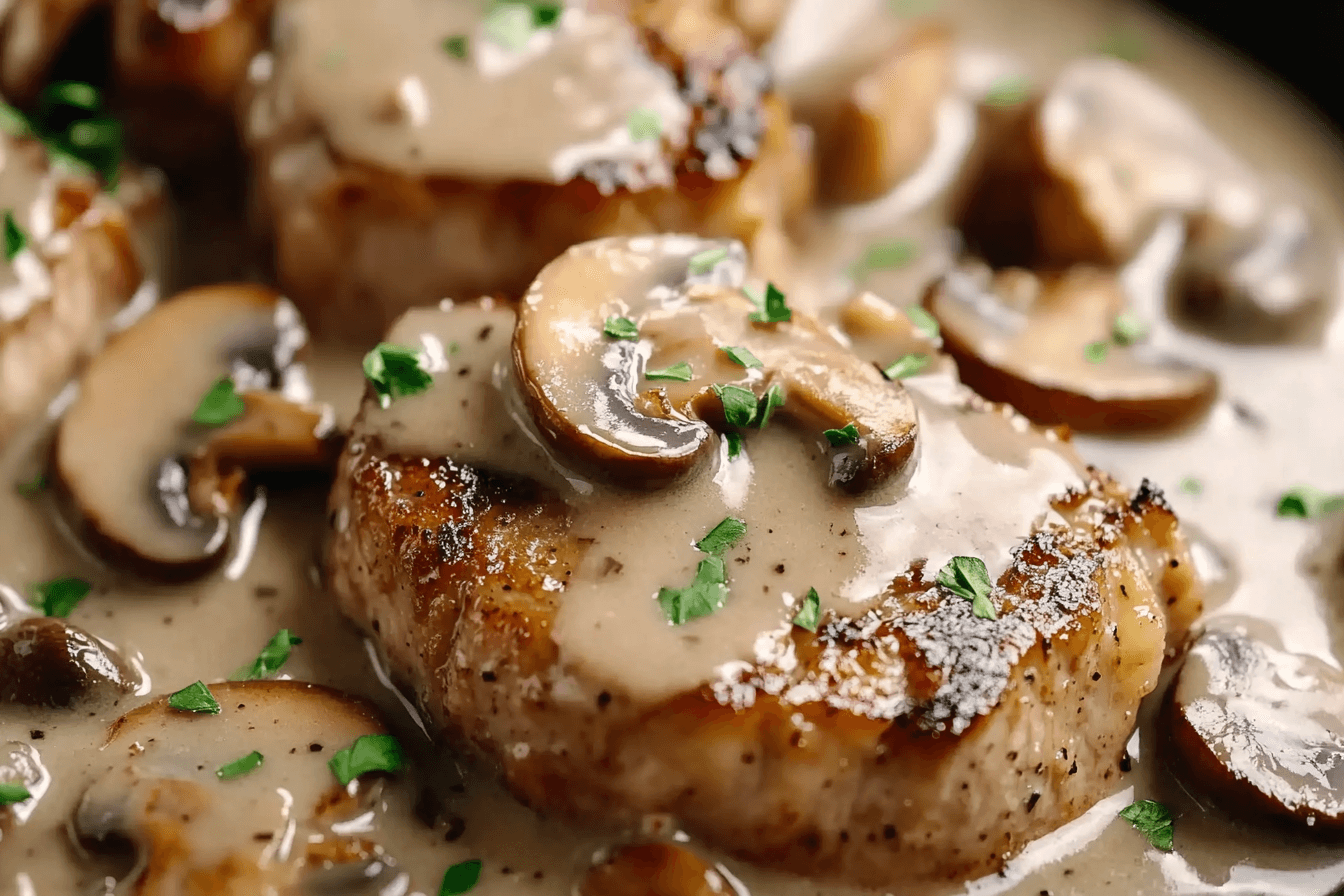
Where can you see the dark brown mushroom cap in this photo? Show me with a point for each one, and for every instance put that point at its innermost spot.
(1261, 731)
(587, 392)
(48, 662)
(146, 486)
(1023, 339)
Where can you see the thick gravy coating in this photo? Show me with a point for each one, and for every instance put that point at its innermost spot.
(1276, 426)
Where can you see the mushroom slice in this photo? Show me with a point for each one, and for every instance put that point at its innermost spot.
(47, 662)
(21, 764)
(589, 396)
(1044, 343)
(148, 487)
(266, 831)
(1261, 731)
(653, 869)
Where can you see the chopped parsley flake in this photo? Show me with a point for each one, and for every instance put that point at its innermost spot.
(59, 597)
(906, 365)
(239, 767)
(967, 577)
(369, 753)
(1128, 328)
(680, 373)
(704, 261)
(71, 123)
(32, 487)
(772, 399)
(1123, 43)
(395, 372)
(1307, 503)
(273, 656)
(456, 46)
(1008, 90)
(15, 239)
(1096, 352)
(846, 435)
(13, 122)
(723, 536)
(1153, 820)
(734, 440)
(924, 323)
(886, 255)
(741, 356)
(644, 124)
(703, 597)
(11, 793)
(618, 327)
(508, 24)
(195, 698)
(220, 404)
(808, 616)
(739, 405)
(460, 878)
(1192, 486)
(774, 310)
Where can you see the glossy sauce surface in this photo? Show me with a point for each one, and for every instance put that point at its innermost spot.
(1277, 426)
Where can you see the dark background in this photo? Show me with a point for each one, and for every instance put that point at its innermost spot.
(1300, 41)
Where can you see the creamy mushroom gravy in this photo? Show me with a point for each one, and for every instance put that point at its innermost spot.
(1276, 426)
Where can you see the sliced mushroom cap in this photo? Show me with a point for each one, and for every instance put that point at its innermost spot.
(148, 487)
(588, 394)
(654, 869)
(1261, 731)
(47, 662)
(1024, 339)
(270, 830)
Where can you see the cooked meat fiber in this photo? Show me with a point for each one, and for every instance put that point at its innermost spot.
(907, 739)
(397, 173)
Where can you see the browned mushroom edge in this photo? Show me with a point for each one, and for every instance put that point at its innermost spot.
(1024, 338)
(587, 392)
(144, 486)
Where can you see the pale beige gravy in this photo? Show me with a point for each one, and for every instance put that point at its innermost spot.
(208, 630)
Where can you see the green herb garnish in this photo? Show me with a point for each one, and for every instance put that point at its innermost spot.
(59, 597)
(13, 122)
(618, 327)
(1153, 820)
(195, 698)
(741, 356)
(460, 878)
(1008, 90)
(905, 365)
(739, 405)
(369, 753)
(15, 239)
(846, 435)
(1096, 352)
(394, 371)
(1192, 486)
(723, 536)
(239, 767)
(644, 124)
(967, 577)
(220, 404)
(455, 46)
(925, 324)
(1307, 503)
(809, 614)
(772, 399)
(885, 255)
(734, 440)
(704, 596)
(510, 23)
(274, 655)
(680, 373)
(1123, 43)
(1128, 328)
(13, 793)
(32, 487)
(774, 310)
(70, 121)
(705, 260)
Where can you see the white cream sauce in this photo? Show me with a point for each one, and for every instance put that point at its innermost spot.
(208, 630)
